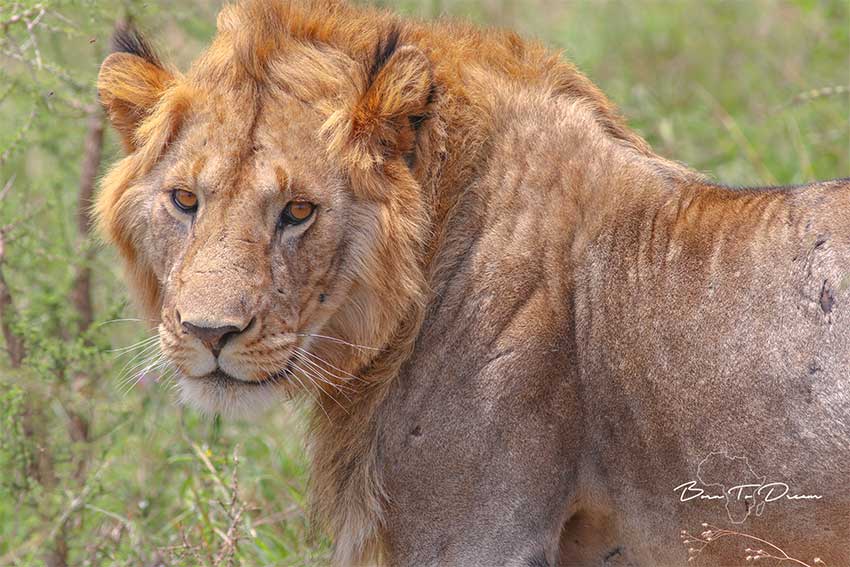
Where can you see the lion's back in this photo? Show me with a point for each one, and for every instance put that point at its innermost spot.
(729, 333)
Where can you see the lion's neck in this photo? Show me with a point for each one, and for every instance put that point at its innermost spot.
(546, 157)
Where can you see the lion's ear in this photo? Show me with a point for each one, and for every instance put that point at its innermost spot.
(130, 83)
(385, 118)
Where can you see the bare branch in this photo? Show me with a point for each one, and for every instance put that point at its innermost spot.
(21, 17)
(81, 292)
(56, 71)
(30, 25)
(7, 187)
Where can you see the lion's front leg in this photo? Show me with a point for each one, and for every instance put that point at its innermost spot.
(480, 468)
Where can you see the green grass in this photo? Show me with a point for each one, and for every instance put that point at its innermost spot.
(719, 85)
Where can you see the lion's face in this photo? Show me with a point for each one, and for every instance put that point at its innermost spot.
(275, 233)
(263, 256)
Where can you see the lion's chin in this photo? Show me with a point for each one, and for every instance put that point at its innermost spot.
(218, 393)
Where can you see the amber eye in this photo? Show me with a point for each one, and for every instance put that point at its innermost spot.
(184, 200)
(297, 212)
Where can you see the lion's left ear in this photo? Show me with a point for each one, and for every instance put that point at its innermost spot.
(383, 122)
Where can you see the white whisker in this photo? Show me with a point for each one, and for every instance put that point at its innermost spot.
(312, 371)
(140, 344)
(312, 364)
(134, 378)
(136, 362)
(110, 321)
(323, 361)
(319, 403)
(312, 378)
(336, 340)
(142, 356)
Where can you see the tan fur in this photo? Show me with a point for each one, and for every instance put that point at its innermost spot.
(489, 238)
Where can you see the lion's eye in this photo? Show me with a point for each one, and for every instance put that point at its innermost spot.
(297, 212)
(184, 200)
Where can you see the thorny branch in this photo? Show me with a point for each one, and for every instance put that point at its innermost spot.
(234, 509)
(18, 138)
(14, 344)
(28, 52)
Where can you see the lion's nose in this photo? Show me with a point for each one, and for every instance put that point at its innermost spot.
(214, 338)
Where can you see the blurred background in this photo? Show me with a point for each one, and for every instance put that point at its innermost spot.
(97, 464)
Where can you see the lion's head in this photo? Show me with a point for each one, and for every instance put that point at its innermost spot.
(268, 208)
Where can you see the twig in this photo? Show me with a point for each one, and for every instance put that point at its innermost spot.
(20, 17)
(7, 187)
(52, 69)
(18, 138)
(234, 510)
(9, 228)
(210, 467)
(30, 26)
(813, 94)
(711, 534)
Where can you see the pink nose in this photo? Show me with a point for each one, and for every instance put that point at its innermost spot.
(214, 338)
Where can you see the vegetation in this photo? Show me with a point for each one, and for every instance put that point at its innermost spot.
(97, 464)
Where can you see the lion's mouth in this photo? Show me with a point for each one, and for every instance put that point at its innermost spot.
(222, 378)
(221, 393)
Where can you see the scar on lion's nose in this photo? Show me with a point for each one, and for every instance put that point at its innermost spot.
(214, 338)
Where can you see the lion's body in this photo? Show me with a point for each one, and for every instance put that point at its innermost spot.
(715, 315)
(589, 378)
(557, 327)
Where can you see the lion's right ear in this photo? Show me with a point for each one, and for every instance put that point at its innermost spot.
(391, 103)
(131, 81)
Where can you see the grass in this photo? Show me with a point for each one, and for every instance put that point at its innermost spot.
(723, 86)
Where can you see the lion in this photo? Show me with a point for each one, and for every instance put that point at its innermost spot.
(523, 331)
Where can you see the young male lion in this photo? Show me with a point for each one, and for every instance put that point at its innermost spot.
(533, 341)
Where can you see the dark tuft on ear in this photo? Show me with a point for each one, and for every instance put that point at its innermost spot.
(384, 51)
(131, 82)
(127, 39)
(416, 120)
(384, 122)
